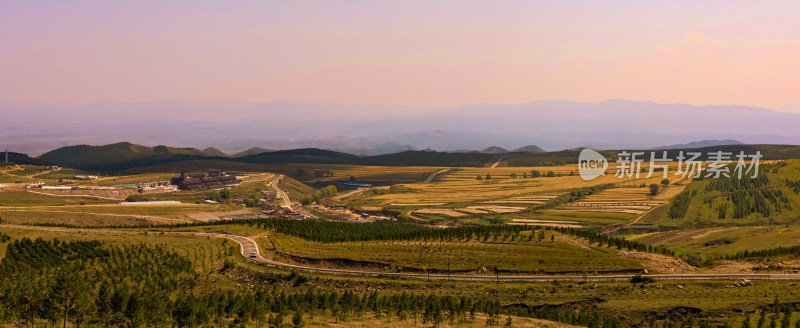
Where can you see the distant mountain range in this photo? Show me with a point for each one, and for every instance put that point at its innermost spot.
(119, 157)
(236, 126)
(703, 143)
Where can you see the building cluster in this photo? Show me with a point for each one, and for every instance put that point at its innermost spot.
(199, 182)
(277, 211)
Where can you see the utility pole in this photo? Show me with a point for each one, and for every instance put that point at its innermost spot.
(428, 268)
(497, 274)
(448, 268)
(6, 155)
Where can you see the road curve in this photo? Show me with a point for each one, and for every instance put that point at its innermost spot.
(249, 246)
(287, 203)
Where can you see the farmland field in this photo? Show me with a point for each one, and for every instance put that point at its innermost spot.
(114, 214)
(563, 254)
(458, 198)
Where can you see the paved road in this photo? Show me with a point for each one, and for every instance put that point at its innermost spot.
(434, 174)
(249, 246)
(499, 160)
(287, 203)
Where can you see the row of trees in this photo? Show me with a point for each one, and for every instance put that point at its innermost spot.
(534, 174)
(330, 231)
(328, 191)
(87, 283)
(769, 252)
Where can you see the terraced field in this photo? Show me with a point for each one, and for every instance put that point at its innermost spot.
(616, 200)
(479, 191)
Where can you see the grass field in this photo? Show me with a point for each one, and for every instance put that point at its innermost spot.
(724, 240)
(114, 214)
(28, 199)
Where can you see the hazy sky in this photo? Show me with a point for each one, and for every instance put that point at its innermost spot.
(422, 53)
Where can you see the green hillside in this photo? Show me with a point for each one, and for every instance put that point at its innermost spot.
(19, 158)
(124, 155)
(771, 198)
(118, 156)
(529, 148)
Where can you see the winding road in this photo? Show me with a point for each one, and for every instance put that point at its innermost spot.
(287, 202)
(249, 246)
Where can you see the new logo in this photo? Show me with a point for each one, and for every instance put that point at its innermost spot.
(591, 164)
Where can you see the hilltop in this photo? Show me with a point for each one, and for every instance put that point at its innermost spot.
(305, 155)
(495, 150)
(251, 151)
(529, 148)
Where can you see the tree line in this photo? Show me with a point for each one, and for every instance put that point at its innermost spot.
(87, 283)
(332, 231)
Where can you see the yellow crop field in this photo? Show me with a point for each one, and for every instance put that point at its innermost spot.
(496, 189)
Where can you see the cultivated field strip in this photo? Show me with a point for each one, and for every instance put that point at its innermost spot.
(616, 200)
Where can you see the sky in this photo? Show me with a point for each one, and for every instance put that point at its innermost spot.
(417, 53)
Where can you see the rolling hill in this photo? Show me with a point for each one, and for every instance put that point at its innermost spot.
(119, 156)
(495, 150)
(19, 158)
(703, 143)
(529, 149)
(251, 151)
(125, 155)
(305, 155)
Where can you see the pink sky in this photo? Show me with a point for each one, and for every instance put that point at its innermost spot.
(423, 53)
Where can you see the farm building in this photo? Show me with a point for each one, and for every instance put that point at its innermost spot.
(198, 182)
